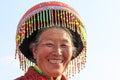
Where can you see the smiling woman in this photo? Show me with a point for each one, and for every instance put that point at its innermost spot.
(53, 53)
(52, 36)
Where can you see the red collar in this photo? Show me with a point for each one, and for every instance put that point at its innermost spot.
(31, 74)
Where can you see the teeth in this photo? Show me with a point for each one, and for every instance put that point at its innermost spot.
(55, 61)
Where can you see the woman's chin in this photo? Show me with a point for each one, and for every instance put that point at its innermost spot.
(55, 73)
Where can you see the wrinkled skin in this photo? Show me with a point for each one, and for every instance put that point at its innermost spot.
(54, 51)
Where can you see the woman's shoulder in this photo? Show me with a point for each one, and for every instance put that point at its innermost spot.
(29, 75)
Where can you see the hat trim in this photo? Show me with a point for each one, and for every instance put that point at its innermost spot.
(45, 8)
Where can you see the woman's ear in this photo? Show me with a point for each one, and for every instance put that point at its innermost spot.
(74, 53)
(34, 51)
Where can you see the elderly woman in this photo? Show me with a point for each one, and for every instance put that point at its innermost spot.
(50, 42)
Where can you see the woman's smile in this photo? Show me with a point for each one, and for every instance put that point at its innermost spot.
(55, 61)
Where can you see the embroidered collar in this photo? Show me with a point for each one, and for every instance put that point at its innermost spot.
(49, 77)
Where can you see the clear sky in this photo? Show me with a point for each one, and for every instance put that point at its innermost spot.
(101, 18)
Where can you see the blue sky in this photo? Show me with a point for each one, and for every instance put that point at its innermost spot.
(101, 18)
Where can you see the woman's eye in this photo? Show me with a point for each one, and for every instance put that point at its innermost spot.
(63, 45)
(49, 44)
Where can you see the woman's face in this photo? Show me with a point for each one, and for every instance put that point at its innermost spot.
(54, 51)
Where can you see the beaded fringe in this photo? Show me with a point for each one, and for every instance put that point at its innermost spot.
(49, 18)
(76, 65)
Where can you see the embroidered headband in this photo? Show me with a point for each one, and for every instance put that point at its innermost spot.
(45, 15)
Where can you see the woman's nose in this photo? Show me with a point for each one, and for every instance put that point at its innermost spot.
(57, 50)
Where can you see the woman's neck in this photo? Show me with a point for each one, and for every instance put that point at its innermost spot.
(49, 77)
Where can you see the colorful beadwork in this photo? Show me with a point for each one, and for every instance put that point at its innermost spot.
(46, 15)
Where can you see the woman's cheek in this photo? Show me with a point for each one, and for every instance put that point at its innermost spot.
(68, 53)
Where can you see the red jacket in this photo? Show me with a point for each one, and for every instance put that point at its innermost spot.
(31, 74)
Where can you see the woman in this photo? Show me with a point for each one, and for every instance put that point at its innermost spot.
(50, 42)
